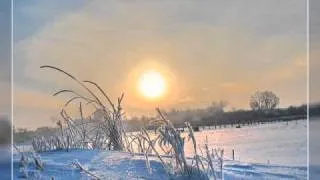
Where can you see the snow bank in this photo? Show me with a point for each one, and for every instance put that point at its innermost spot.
(119, 165)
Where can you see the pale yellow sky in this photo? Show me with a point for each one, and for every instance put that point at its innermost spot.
(206, 51)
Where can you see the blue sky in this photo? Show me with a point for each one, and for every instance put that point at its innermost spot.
(208, 50)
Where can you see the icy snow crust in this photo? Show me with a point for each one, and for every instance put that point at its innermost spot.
(269, 151)
(120, 165)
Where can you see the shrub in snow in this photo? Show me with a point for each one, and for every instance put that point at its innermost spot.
(169, 143)
(106, 134)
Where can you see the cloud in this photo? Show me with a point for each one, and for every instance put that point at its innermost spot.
(203, 44)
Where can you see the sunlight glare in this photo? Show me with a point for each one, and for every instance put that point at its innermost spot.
(152, 84)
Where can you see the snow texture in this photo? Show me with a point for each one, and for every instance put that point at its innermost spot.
(269, 151)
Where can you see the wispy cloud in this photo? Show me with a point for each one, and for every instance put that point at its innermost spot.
(203, 44)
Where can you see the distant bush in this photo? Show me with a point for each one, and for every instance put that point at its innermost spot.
(21, 135)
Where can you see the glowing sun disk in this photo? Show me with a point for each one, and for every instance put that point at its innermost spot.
(152, 84)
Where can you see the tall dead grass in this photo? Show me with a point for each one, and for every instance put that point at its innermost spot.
(168, 146)
(108, 134)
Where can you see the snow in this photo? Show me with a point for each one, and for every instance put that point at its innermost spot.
(104, 164)
(277, 143)
(314, 147)
(269, 151)
(121, 165)
(238, 170)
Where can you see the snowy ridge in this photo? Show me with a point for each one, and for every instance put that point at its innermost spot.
(115, 165)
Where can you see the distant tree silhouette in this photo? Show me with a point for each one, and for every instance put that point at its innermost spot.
(264, 101)
(217, 107)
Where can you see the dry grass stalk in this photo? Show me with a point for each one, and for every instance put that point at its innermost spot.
(168, 146)
(78, 135)
(78, 165)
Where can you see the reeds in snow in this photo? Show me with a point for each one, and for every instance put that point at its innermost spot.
(108, 134)
(168, 142)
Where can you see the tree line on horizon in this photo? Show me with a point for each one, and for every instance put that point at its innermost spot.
(263, 104)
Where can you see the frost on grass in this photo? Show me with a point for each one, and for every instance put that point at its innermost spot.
(28, 161)
(108, 133)
(168, 146)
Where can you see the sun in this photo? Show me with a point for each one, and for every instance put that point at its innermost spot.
(152, 84)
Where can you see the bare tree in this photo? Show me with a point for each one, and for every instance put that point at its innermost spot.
(264, 101)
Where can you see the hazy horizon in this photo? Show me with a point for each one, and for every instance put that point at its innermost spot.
(206, 51)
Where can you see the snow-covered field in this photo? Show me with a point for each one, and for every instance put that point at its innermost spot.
(269, 151)
(276, 143)
(117, 165)
(314, 148)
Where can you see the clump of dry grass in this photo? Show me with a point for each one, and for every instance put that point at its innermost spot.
(24, 164)
(168, 146)
(108, 134)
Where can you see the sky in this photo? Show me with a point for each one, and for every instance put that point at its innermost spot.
(206, 50)
(5, 59)
(314, 54)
